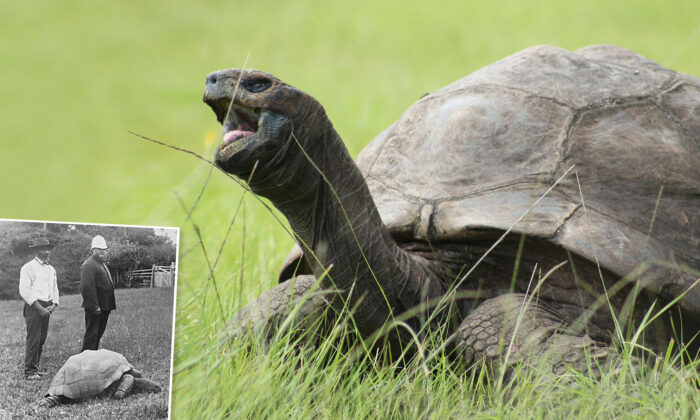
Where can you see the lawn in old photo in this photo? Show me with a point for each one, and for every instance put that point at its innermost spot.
(129, 274)
(140, 329)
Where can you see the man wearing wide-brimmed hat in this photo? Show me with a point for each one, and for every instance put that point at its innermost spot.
(97, 288)
(39, 288)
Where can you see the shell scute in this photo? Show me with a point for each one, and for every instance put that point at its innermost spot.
(482, 150)
(88, 373)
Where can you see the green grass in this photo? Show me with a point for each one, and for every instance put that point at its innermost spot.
(286, 380)
(140, 329)
(75, 76)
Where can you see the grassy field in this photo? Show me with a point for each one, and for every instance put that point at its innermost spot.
(140, 329)
(76, 76)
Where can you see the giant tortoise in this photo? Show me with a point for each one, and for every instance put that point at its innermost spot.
(94, 372)
(547, 202)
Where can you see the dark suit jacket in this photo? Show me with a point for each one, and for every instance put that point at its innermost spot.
(96, 288)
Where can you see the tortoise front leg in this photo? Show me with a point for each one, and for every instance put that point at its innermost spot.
(124, 387)
(512, 329)
(262, 317)
(129, 384)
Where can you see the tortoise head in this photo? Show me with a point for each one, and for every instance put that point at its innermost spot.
(259, 114)
(145, 385)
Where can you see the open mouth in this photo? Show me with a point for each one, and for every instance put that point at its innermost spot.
(241, 122)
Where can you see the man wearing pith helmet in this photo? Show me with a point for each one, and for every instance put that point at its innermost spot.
(97, 288)
(38, 287)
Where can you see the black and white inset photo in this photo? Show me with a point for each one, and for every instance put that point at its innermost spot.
(86, 319)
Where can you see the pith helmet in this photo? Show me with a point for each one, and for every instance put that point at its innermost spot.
(98, 242)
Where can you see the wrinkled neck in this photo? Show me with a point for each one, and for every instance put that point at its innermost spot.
(338, 225)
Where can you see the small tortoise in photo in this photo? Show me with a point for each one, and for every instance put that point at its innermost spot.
(541, 198)
(94, 372)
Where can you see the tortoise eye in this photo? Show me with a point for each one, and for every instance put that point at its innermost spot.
(257, 84)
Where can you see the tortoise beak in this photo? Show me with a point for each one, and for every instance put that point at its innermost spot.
(219, 90)
(218, 103)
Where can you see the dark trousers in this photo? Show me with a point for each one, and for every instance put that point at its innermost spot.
(37, 329)
(94, 328)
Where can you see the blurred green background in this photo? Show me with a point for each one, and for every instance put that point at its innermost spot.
(76, 76)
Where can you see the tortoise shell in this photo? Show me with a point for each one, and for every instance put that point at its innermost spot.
(89, 373)
(615, 136)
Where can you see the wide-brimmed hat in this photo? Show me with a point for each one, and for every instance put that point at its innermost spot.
(40, 243)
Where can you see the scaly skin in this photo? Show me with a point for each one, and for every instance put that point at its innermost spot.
(129, 383)
(302, 166)
(293, 156)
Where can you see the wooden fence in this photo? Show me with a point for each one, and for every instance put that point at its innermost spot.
(156, 276)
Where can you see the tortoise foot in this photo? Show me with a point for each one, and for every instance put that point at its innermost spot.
(512, 329)
(296, 297)
(50, 402)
